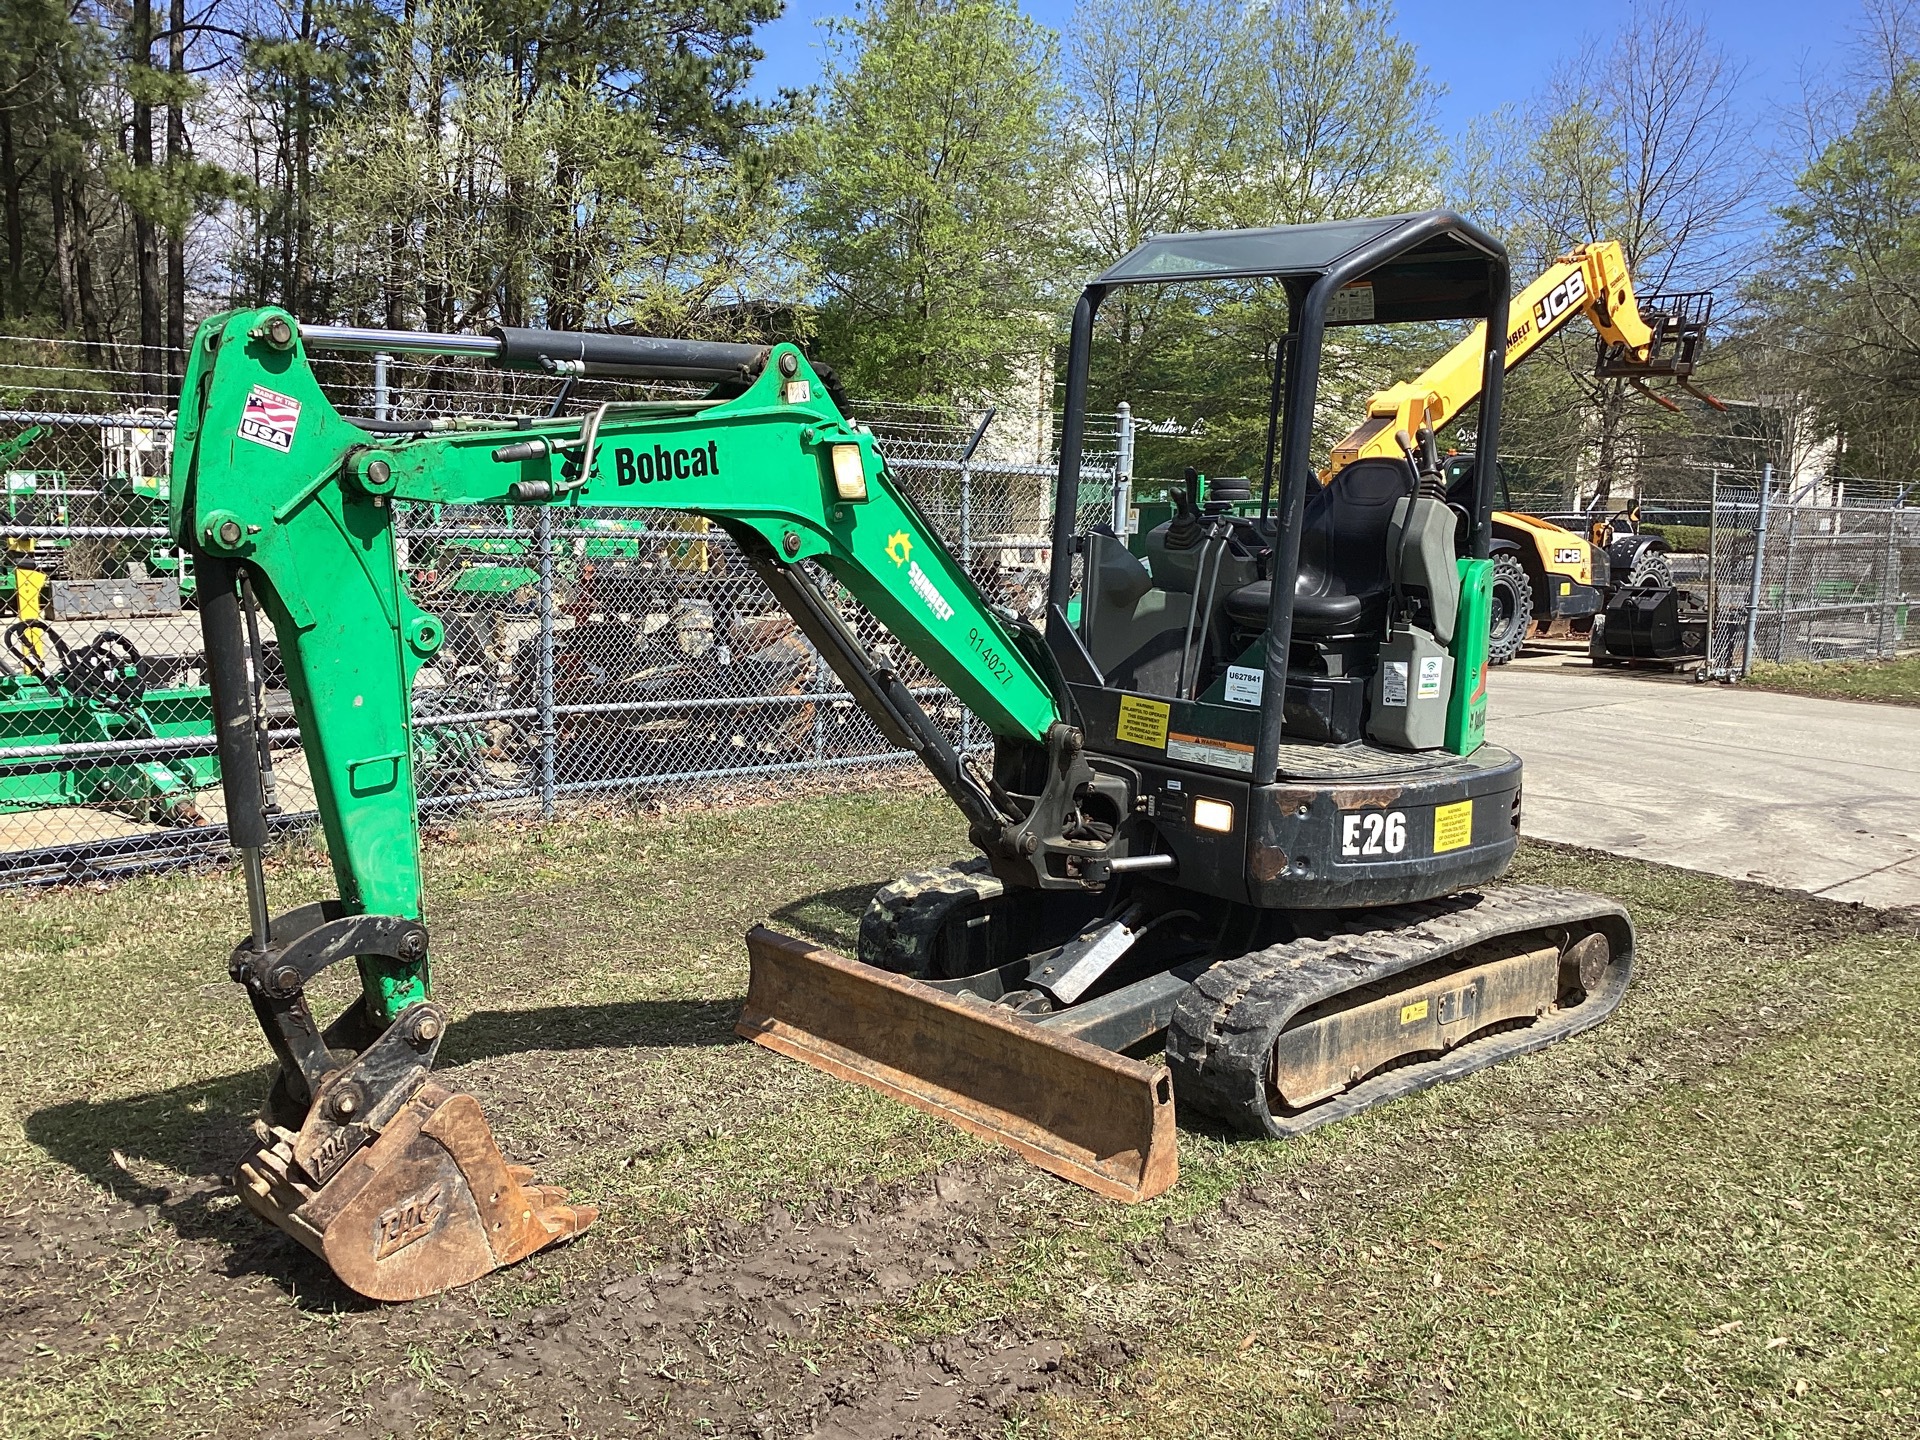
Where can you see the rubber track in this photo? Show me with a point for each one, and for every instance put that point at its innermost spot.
(903, 918)
(1224, 1028)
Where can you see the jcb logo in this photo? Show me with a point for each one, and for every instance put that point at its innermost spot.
(1569, 292)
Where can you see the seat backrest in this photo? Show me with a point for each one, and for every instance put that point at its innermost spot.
(1343, 545)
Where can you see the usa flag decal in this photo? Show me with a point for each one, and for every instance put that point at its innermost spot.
(270, 419)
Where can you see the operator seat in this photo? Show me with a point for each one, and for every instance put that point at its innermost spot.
(1341, 589)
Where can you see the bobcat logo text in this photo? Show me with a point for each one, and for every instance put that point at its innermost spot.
(662, 463)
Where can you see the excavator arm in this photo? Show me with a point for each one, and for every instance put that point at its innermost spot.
(273, 488)
(289, 510)
(1590, 281)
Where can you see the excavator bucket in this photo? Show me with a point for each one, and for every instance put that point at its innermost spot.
(1081, 1112)
(428, 1205)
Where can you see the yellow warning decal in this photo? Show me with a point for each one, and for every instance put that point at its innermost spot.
(1143, 722)
(1452, 826)
(1410, 1013)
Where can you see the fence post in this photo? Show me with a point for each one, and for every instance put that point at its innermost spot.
(544, 544)
(381, 402)
(1759, 565)
(1884, 642)
(1123, 471)
(1786, 589)
(1711, 670)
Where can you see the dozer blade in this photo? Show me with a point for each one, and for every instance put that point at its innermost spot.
(1083, 1113)
(428, 1205)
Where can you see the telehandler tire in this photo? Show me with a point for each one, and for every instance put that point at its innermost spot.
(1512, 609)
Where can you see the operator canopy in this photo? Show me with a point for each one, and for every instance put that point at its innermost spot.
(1432, 265)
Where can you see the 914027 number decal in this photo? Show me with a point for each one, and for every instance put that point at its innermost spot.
(996, 664)
(1365, 833)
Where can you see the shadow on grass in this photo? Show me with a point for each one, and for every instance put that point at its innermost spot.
(828, 917)
(203, 1129)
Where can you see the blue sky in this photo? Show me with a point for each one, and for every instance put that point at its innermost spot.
(1485, 51)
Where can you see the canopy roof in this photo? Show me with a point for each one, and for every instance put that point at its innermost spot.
(1438, 270)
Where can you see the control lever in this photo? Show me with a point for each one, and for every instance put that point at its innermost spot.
(1405, 442)
(1183, 531)
(1420, 553)
(1429, 468)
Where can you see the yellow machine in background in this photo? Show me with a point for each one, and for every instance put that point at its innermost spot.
(1547, 579)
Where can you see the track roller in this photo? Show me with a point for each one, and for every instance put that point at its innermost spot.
(1282, 1040)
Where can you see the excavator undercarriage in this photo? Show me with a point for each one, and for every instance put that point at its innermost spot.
(1238, 839)
(1272, 1023)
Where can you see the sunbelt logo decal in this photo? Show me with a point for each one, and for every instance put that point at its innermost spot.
(923, 587)
(900, 551)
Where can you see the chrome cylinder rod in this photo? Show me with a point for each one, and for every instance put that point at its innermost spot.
(416, 342)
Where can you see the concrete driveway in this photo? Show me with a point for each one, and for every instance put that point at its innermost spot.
(1814, 795)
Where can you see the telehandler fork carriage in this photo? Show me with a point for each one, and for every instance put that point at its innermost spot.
(1240, 812)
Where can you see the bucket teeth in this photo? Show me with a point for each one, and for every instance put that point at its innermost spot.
(270, 1185)
(429, 1205)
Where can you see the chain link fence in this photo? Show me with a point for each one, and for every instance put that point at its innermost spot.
(589, 654)
(1821, 568)
(612, 655)
(1820, 572)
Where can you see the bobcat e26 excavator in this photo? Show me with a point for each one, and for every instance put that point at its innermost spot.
(1239, 809)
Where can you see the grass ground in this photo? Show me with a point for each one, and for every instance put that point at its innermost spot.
(1893, 681)
(1697, 1220)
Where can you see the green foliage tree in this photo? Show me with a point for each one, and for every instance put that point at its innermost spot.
(586, 163)
(931, 198)
(1639, 141)
(1286, 112)
(1339, 117)
(1839, 303)
(50, 65)
(101, 182)
(1156, 105)
(294, 63)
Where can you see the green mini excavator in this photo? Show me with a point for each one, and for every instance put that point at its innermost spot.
(1237, 832)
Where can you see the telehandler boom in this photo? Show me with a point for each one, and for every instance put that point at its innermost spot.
(1546, 575)
(1240, 808)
